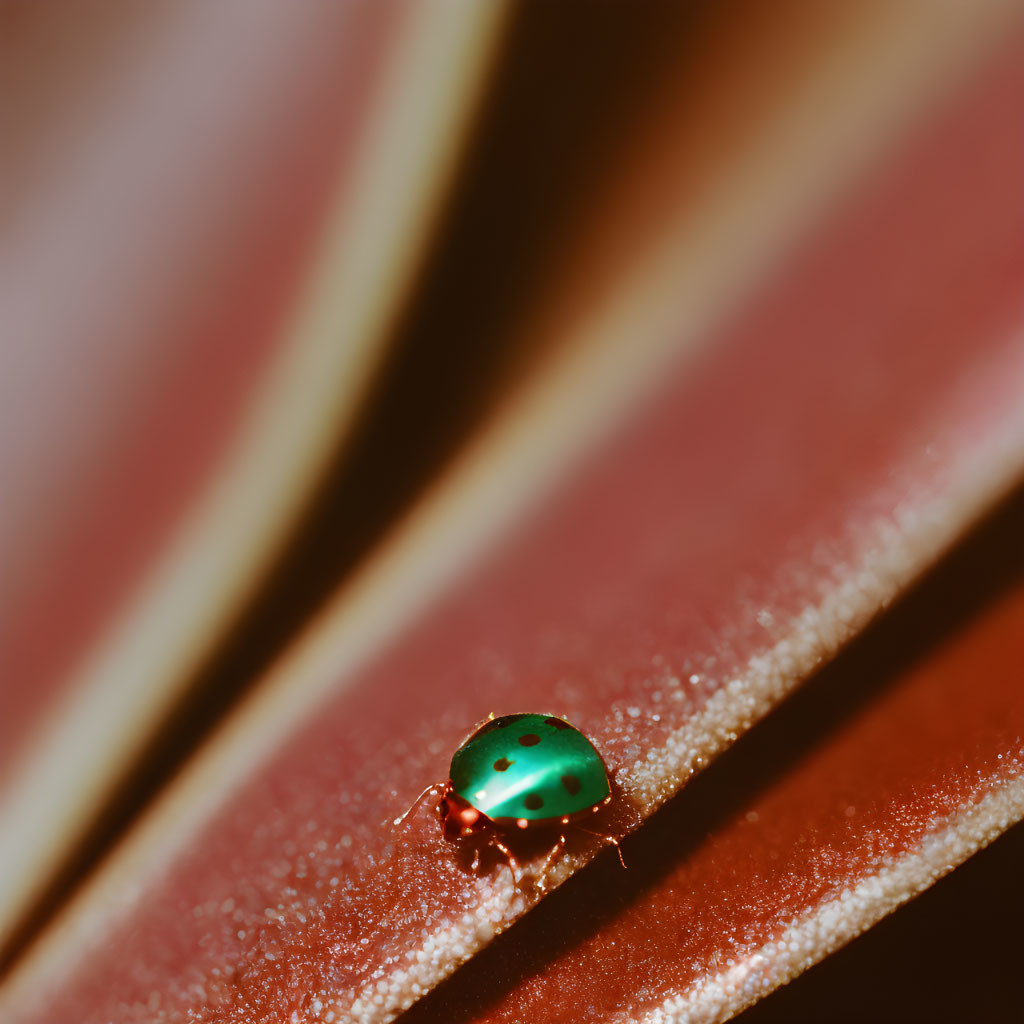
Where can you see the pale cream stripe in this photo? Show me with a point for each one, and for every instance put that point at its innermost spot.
(612, 359)
(372, 243)
(833, 924)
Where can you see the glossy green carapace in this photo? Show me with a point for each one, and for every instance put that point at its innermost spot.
(529, 767)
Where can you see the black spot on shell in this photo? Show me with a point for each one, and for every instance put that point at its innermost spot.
(557, 723)
(494, 723)
(533, 801)
(572, 784)
(530, 739)
(502, 764)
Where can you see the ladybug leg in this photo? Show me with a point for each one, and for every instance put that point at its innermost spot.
(435, 788)
(510, 858)
(549, 861)
(604, 837)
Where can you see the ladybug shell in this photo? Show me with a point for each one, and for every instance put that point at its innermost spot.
(532, 768)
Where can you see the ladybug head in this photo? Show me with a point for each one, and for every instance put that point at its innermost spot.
(459, 818)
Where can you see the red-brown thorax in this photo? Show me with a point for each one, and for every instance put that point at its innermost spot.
(459, 818)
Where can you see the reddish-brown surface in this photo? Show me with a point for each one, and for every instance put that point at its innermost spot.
(134, 351)
(963, 927)
(904, 729)
(883, 370)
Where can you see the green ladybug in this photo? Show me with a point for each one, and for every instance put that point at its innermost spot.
(521, 772)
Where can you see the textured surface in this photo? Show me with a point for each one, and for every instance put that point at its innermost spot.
(733, 534)
(964, 928)
(886, 771)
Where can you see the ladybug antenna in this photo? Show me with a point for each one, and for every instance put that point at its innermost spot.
(412, 807)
